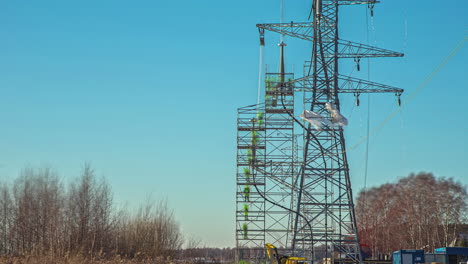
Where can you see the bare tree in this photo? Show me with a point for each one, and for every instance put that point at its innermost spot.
(36, 212)
(419, 211)
(89, 209)
(152, 232)
(79, 209)
(6, 220)
(39, 217)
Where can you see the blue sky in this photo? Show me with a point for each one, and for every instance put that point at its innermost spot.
(147, 91)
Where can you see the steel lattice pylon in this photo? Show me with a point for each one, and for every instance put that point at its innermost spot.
(295, 192)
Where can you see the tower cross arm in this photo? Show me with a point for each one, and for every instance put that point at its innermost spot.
(348, 84)
(354, 85)
(349, 49)
(355, 2)
(302, 30)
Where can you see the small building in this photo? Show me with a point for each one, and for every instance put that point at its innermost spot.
(454, 255)
(408, 256)
(434, 258)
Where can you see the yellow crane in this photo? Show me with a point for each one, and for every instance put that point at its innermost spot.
(275, 258)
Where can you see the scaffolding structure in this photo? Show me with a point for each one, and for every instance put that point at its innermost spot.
(266, 165)
(295, 192)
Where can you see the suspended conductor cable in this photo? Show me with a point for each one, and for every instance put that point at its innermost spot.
(366, 164)
(298, 213)
(420, 87)
(281, 20)
(260, 68)
(366, 155)
(277, 204)
(405, 44)
(282, 101)
(426, 81)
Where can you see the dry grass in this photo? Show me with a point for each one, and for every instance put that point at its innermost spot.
(79, 260)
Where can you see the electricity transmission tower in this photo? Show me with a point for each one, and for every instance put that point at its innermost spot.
(293, 183)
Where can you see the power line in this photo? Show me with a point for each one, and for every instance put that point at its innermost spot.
(411, 96)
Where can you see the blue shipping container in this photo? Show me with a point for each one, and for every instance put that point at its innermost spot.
(460, 251)
(454, 255)
(435, 257)
(408, 256)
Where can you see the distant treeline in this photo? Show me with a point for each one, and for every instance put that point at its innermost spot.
(40, 216)
(417, 212)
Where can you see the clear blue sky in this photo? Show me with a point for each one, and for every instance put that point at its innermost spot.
(147, 91)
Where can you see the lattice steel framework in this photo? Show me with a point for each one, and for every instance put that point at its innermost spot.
(300, 198)
(266, 167)
(250, 212)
